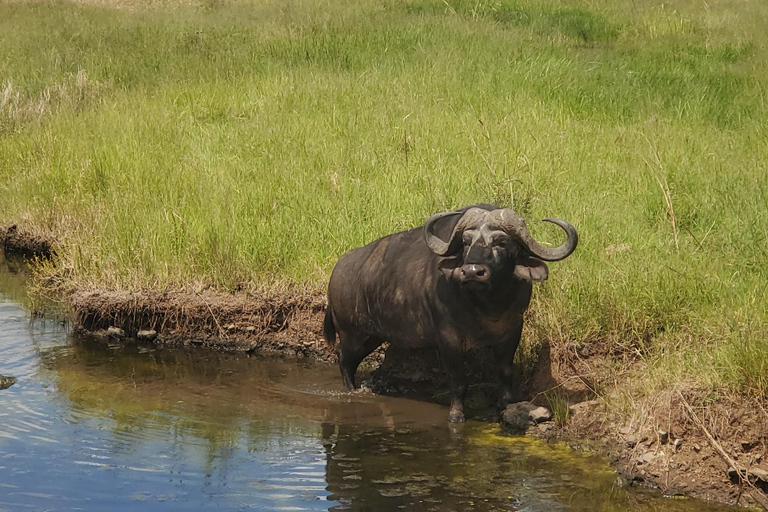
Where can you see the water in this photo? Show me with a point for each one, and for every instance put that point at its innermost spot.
(95, 426)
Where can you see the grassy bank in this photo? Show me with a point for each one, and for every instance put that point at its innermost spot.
(237, 144)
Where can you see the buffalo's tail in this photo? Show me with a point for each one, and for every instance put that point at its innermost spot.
(329, 330)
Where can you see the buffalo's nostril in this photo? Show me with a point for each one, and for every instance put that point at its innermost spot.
(474, 272)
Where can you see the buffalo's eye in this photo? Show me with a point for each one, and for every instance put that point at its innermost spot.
(502, 243)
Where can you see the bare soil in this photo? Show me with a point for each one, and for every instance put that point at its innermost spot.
(684, 441)
(681, 451)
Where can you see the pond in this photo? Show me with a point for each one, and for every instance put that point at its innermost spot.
(94, 425)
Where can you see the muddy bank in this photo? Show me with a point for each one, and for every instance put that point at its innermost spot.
(684, 441)
(279, 323)
(684, 447)
(17, 241)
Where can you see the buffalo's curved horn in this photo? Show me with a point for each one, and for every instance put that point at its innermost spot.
(516, 225)
(442, 247)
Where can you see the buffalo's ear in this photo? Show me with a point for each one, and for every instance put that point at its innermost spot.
(439, 232)
(531, 269)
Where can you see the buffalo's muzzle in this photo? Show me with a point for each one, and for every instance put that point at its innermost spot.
(472, 272)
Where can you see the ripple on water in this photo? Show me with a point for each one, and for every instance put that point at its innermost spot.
(61, 450)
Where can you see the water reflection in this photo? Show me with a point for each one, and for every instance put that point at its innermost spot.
(93, 425)
(474, 468)
(14, 273)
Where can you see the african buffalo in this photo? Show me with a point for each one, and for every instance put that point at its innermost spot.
(461, 281)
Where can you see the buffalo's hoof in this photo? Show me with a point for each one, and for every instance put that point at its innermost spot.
(456, 417)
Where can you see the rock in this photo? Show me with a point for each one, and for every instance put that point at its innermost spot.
(760, 473)
(519, 416)
(115, 332)
(676, 444)
(540, 414)
(736, 474)
(6, 382)
(515, 419)
(631, 440)
(148, 334)
(543, 428)
(755, 474)
(250, 328)
(747, 445)
(663, 436)
(696, 448)
(646, 458)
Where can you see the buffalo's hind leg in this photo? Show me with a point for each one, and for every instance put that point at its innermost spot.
(352, 350)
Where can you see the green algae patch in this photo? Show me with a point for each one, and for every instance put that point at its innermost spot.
(560, 452)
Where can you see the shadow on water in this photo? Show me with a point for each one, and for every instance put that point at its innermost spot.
(95, 425)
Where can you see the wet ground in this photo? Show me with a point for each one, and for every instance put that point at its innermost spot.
(92, 425)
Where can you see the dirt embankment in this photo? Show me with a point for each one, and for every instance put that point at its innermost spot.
(287, 324)
(16, 241)
(683, 441)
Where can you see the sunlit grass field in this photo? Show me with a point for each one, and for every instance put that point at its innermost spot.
(249, 144)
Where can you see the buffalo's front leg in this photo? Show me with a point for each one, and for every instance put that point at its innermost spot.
(453, 363)
(505, 356)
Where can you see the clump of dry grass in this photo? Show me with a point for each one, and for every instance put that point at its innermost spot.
(75, 93)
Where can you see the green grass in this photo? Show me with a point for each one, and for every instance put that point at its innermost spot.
(233, 144)
(557, 401)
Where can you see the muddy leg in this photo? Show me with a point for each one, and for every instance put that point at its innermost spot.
(351, 353)
(454, 366)
(505, 355)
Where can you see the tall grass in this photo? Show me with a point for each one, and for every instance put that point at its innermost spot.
(241, 144)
